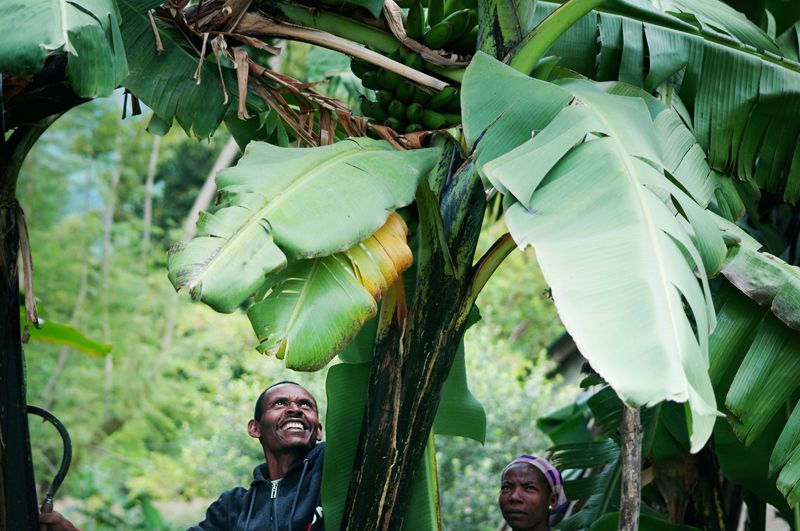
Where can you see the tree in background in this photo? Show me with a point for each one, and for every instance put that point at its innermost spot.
(625, 191)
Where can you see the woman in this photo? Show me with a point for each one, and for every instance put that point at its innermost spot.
(530, 490)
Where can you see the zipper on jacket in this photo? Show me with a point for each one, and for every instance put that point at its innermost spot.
(274, 493)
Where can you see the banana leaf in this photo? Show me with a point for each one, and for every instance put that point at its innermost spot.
(739, 88)
(88, 31)
(592, 184)
(767, 280)
(785, 458)
(281, 204)
(165, 81)
(55, 333)
(317, 306)
(753, 365)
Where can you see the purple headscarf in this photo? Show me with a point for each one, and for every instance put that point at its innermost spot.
(551, 474)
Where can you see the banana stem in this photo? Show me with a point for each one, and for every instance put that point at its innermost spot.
(355, 31)
(453, 74)
(528, 52)
(796, 516)
(487, 265)
(340, 26)
(256, 25)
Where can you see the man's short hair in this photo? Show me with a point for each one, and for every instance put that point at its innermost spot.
(259, 409)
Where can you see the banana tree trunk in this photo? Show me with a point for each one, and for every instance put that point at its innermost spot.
(17, 486)
(18, 507)
(630, 499)
(413, 356)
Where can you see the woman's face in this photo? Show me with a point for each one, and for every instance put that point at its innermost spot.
(525, 497)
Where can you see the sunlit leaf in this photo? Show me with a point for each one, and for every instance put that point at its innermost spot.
(280, 203)
(317, 306)
(592, 184)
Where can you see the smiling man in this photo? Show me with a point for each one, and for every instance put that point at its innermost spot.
(285, 492)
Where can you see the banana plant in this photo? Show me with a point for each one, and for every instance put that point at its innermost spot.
(628, 170)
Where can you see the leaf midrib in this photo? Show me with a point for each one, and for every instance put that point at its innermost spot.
(652, 228)
(264, 211)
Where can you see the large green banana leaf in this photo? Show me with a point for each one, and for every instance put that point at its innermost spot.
(164, 81)
(87, 30)
(741, 95)
(589, 193)
(296, 203)
(786, 458)
(755, 359)
(317, 306)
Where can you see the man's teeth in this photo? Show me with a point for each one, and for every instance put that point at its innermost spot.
(293, 426)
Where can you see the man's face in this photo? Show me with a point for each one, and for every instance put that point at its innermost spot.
(525, 497)
(289, 422)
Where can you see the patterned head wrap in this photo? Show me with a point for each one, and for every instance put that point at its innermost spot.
(551, 474)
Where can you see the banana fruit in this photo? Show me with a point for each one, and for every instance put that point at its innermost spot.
(449, 25)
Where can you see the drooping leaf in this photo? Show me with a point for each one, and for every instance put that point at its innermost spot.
(748, 465)
(317, 306)
(737, 323)
(598, 489)
(379, 260)
(60, 334)
(459, 412)
(296, 203)
(785, 458)
(767, 280)
(165, 82)
(642, 257)
(752, 363)
(87, 31)
(766, 378)
(740, 95)
(311, 313)
(576, 456)
(490, 126)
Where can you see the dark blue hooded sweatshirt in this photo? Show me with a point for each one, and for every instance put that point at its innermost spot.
(291, 504)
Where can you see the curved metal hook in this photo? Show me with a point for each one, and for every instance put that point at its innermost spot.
(66, 459)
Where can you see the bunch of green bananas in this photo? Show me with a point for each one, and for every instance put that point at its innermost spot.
(402, 105)
(445, 25)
